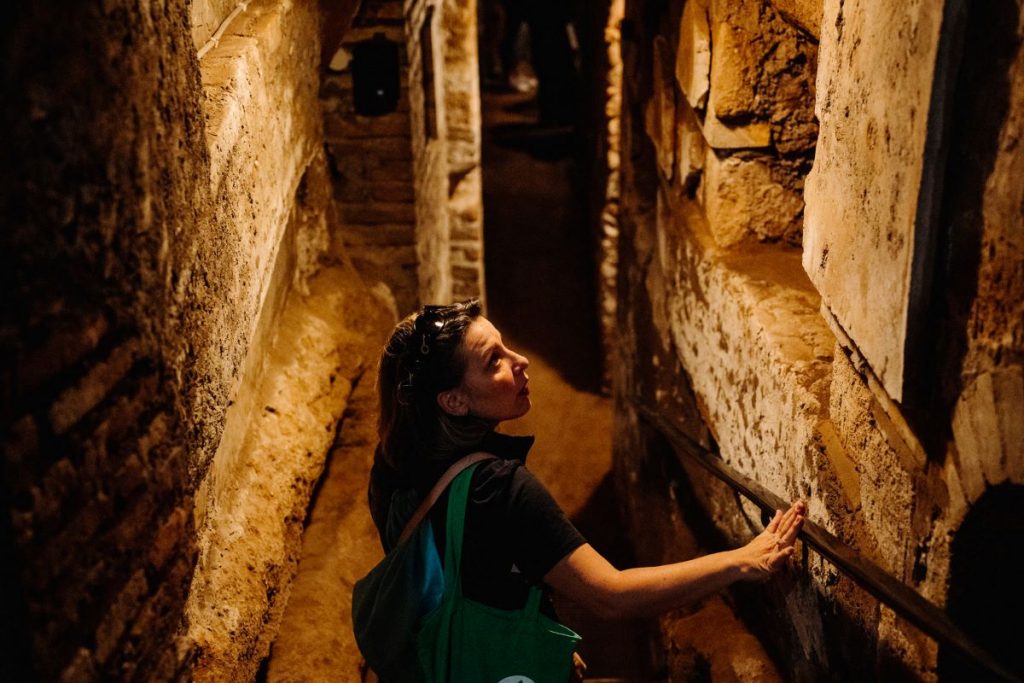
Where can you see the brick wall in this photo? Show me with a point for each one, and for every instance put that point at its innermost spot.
(409, 188)
(102, 191)
(160, 210)
(371, 163)
(463, 125)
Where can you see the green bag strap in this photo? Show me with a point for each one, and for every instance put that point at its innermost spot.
(457, 497)
(533, 600)
(456, 525)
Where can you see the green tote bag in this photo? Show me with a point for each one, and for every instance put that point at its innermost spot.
(463, 641)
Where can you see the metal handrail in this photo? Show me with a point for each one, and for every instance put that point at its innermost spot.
(903, 600)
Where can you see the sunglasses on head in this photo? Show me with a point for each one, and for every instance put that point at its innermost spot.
(429, 323)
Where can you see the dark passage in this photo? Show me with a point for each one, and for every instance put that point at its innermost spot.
(540, 287)
(539, 255)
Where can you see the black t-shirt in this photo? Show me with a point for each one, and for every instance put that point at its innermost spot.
(515, 532)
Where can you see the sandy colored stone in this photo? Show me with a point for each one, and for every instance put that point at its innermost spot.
(715, 635)
(806, 14)
(862, 193)
(722, 135)
(735, 58)
(693, 54)
(339, 546)
(744, 199)
(206, 17)
(762, 80)
(692, 148)
(249, 545)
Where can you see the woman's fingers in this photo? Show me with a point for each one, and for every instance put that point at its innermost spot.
(793, 518)
(773, 526)
(791, 533)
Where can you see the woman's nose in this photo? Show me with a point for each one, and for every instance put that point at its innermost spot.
(522, 361)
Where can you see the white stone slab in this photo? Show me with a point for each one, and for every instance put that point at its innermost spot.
(877, 62)
(693, 55)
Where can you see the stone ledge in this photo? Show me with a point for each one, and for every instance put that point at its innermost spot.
(250, 543)
(758, 315)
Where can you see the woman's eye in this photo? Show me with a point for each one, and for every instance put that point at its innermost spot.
(494, 360)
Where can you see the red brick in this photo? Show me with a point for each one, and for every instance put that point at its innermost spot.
(82, 668)
(168, 536)
(133, 522)
(71, 341)
(341, 128)
(97, 383)
(22, 440)
(393, 191)
(379, 212)
(393, 148)
(381, 234)
(121, 611)
(390, 169)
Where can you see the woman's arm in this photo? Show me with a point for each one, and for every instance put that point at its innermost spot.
(587, 578)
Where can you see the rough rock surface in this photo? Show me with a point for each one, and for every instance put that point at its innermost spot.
(339, 546)
(249, 550)
(864, 191)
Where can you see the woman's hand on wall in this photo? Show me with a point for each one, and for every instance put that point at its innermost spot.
(770, 550)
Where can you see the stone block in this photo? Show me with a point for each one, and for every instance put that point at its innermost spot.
(691, 151)
(736, 58)
(462, 230)
(728, 135)
(379, 234)
(743, 200)
(863, 192)
(464, 289)
(466, 254)
(805, 14)
(693, 54)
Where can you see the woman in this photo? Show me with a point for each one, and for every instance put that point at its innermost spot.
(446, 381)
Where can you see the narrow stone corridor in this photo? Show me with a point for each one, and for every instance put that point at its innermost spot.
(777, 255)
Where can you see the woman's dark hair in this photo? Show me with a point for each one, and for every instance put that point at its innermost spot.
(420, 360)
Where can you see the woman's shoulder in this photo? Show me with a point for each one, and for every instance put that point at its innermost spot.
(508, 480)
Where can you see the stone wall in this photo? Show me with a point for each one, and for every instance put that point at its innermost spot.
(408, 181)
(722, 329)
(371, 162)
(463, 131)
(106, 198)
(179, 344)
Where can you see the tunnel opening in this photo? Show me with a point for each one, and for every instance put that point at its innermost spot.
(539, 164)
(986, 597)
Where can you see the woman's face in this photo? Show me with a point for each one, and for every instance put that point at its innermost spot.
(494, 385)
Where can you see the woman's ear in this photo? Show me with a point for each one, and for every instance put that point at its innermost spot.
(453, 402)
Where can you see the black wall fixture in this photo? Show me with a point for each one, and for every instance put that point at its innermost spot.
(376, 80)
